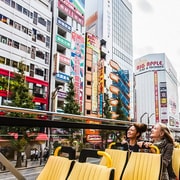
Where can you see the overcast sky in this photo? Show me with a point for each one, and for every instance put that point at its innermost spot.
(156, 29)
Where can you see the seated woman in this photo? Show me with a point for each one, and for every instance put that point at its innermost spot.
(134, 133)
(161, 137)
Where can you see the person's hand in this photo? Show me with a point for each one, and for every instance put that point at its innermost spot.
(123, 142)
(147, 144)
(140, 144)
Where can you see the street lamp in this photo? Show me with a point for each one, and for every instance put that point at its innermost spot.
(53, 96)
(148, 120)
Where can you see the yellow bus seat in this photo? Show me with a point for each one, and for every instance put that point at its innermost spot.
(143, 166)
(56, 168)
(89, 171)
(176, 161)
(119, 160)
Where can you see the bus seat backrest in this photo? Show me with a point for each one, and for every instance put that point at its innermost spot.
(119, 160)
(88, 171)
(176, 161)
(143, 166)
(56, 168)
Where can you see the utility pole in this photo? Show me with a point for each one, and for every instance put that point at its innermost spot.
(53, 96)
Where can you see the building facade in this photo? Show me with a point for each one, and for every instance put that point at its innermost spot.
(68, 51)
(156, 91)
(111, 23)
(25, 36)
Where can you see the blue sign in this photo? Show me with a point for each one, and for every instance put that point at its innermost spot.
(62, 77)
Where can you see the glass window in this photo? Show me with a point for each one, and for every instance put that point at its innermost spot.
(3, 18)
(9, 42)
(27, 68)
(46, 58)
(42, 21)
(2, 60)
(8, 62)
(40, 54)
(47, 41)
(33, 52)
(25, 11)
(25, 29)
(35, 18)
(32, 67)
(34, 33)
(17, 26)
(14, 64)
(11, 22)
(32, 73)
(31, 15)
(13, 4)
(39, 72)
(19, 7)
(23, 47)
(15, 44)
(88, 97)
(48, 25)
(3, 39)
(40, 37)
(7, 2)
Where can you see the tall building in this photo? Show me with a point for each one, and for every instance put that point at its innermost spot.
(156, 91)
(68, 51)
(111, 23)
(25, 36)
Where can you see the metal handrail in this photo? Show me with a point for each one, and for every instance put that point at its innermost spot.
(11, 168)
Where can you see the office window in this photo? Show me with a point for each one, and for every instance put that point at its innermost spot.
(14, 64)
(7, 2)
(17, 26)
(25, 11)
(2, 60)
(19, 7)
(13, 4)
(3, 39)
(3, 18)
(88, 97)
(47, 41)
(39, 72)
(46, 58)
(40, 37)
(89, 69)
(88, 112)
(33, 52)
(35, 17)
(48, 25)
(16, 44)
(25, 29)
(42, 21)
(11, 22)
(40, 54)
(8, 62)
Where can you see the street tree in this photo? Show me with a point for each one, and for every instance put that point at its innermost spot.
(71, 106)
(18, 91)
(119, 111)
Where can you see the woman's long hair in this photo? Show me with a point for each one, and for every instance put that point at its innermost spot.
(167, 133)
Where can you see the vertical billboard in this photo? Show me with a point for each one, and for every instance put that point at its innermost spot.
(77, 66)
(101, 85)
(156, 96)
(163, 102)
(93, 43)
